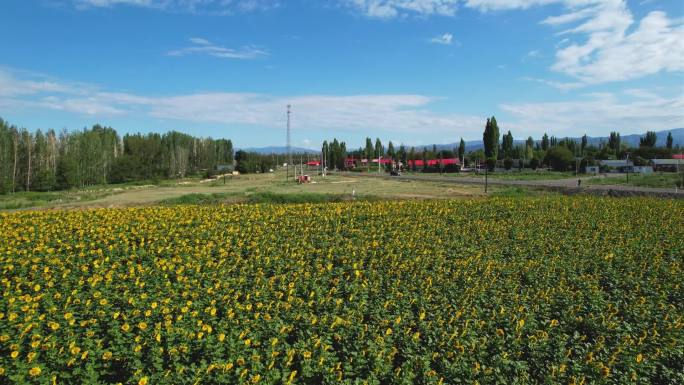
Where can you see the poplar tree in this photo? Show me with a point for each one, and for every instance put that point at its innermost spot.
(490, 139)
(461, 151)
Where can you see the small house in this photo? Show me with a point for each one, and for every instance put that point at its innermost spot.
(642, 169)
(592, 170)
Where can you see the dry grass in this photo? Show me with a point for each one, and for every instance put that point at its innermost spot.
(239, 189)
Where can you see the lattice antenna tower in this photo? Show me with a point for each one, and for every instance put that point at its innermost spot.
(289, 145)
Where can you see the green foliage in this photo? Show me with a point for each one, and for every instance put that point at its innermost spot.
(648, 140)
(507, 145)
(47, 161)
(614, 141)
(534, 163)
(490, 138)
(560, 158)
(652, 152)
(461, 151)
(252, 162)
(379, 150)
(335, 154)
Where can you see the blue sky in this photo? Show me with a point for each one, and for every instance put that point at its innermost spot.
(411, 71)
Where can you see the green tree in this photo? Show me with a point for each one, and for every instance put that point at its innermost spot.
(614, 142)
(649, 140)
(669, 140)
(342, 156)
(335, 154)
(534, 163)
(560, 158)
(461, 151)
(476, 157)
(412, 158)
(507, 145)
(490, 139)
(369, 152)
(379, 150)
(390, 150)
(545, 142)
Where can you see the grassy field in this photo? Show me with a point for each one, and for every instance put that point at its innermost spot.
(83, 196)
(264, 188)
(663, 180)
(503, 175)
(240, 189)
(544, 290)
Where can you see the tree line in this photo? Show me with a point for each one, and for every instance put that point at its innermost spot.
(501, 151)
(45, 161)
(336, 156)
(566, 153)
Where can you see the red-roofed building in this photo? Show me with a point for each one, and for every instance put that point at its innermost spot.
(435, 162)
(678, 156)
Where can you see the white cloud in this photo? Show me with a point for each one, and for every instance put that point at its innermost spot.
(563, 86)
(597, 114)
(205, 47)
(93, 106)
(401, 113)
(569, 17)
(386, 9)
(445, 39)
(531, 55)
(194, 6)
(633, 109)
(396, 112)
(14, 83)
(500, 5)
(605, 50)
(200, 41)
(605, 45)
(612, 54)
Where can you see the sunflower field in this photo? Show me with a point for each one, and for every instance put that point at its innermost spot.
(567, 290)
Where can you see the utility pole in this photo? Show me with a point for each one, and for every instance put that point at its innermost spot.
(627, 166)
(289, 148)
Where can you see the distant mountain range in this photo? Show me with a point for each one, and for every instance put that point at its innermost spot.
(472, 145)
